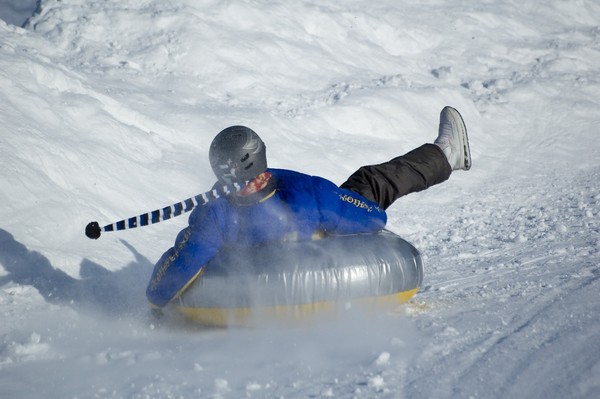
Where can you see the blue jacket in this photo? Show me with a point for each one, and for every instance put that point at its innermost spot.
(300, 207)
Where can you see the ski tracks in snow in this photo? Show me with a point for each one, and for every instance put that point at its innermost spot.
(518, 275)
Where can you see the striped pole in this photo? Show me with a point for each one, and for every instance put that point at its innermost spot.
(93, 229)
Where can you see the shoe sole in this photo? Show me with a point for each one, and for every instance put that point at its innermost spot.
(459, 123)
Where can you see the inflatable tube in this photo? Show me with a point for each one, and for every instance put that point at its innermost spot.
(292, 280)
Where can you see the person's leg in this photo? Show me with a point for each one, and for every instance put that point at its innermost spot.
(415, 171)
(419, 169)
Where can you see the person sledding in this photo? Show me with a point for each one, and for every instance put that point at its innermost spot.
(277, 205)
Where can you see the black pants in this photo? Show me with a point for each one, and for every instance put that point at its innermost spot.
(415, 171)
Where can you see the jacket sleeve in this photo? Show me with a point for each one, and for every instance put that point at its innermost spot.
(194, 247)
(346, 212)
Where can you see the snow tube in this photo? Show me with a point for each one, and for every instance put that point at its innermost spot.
(294, 280)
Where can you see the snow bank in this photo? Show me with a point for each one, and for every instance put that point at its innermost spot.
(107, 112)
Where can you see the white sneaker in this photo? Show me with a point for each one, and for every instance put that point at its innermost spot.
(453, 140)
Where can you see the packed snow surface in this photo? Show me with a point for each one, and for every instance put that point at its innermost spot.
(108, 107)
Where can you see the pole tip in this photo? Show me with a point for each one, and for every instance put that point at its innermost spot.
(92, 230)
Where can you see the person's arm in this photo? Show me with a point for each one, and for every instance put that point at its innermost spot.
(184, 262)
(345, 212)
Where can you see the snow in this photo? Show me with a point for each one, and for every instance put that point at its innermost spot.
(107, 112)
(17, 12)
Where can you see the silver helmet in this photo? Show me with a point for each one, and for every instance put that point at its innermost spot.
(237, 154)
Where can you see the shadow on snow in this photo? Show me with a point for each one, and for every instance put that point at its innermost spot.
(113, 293)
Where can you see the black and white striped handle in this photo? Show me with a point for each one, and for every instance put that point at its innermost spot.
(93, 229)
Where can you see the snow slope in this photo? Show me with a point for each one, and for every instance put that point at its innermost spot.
(108, 109)
(17, 12)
